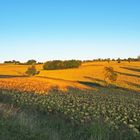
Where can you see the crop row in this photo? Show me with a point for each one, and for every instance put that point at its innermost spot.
(115, 110)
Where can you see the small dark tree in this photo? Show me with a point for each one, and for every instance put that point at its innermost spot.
(31, 62)
(129, 60)
(108, 60)
(109, 75)
(139, 58)
(31, 71)
(119, 60)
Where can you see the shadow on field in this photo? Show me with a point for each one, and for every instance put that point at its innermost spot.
(90, 84)
(100, 85)
(118, 87)
(93, 79)
(132, 84)
(12, 76)
(132, 69)
(128, 74)
(58, 79)
(92, 65)
(94, 82)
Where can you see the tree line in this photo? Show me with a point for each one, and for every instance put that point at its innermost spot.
(29, 62)
(66, 64)
(59, 64)
(119, 60)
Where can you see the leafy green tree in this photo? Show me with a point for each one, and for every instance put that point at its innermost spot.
(109, 75)
(119, 60)
(108, 60)
(139, 58)
(129, 60)
(31, 62)
(58, 64)
(31, 71)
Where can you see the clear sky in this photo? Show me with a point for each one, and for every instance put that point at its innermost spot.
(69, 29)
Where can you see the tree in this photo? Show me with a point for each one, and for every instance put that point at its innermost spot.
(58, 64)
(31, 62)
(31, 71)
(108, 60)
(139, 58)
(129, 59)
(119, 60)
(109, 75)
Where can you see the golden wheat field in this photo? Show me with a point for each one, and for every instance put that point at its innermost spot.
(90, 73)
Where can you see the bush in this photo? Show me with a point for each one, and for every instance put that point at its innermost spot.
(31, 71)
(58, 64)
(110, 75)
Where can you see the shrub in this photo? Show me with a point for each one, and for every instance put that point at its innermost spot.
(31, 71)
(58, 64)
(110, 75)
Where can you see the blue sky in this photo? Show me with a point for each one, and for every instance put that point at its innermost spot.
(69, 29)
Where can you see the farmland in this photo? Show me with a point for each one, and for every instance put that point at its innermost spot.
(73, 103)
(89, 73)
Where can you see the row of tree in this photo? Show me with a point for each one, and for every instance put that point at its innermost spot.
(70, 62)
(12, 62)
(117, 60)
(29, 62)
